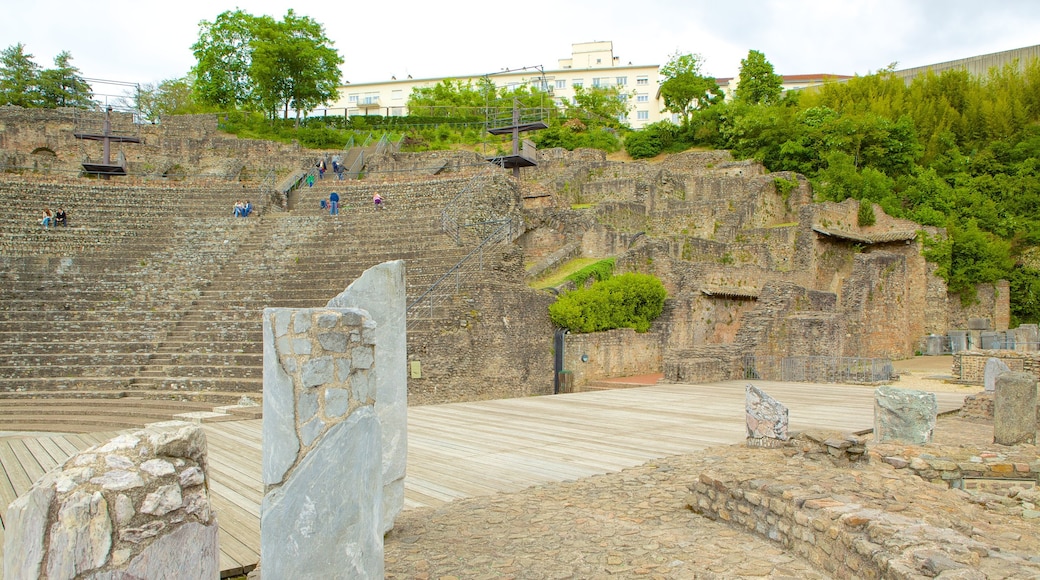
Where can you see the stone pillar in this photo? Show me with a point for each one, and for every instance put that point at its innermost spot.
(1014, 409)
(135, 507)
(994, 368)
(904, 415)
(321, 512)
(766, 419)
(380, 291)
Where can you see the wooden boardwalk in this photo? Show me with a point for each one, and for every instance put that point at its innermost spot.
(468, 449)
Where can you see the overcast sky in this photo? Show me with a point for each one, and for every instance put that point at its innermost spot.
(143, 41)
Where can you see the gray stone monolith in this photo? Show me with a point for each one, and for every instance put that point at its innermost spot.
(994, 368)
(766, 419)
(1014, 409)
(380, 291)
(321, 514)
(904, 415)
(136, 506)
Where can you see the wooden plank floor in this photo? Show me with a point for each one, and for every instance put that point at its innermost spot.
(469, 449)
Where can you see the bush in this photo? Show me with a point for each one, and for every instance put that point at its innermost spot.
(642, 145)
(601, 270)
(626, 301)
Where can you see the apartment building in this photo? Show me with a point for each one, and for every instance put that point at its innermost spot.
(591, 64)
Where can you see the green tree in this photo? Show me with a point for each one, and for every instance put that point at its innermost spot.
(630, 300)
(758, 83)
(168, 97)
(600, 106)
(223, 55)
(19, 77)
(294, 64)
(63, 85)
(685, 89)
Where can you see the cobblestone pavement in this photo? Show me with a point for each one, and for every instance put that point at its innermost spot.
(635, 524)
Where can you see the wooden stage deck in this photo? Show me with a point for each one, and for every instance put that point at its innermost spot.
(468, 449)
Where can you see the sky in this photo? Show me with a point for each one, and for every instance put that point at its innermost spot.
(143, 41)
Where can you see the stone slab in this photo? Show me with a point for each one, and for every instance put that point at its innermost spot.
(1014, 409)
(904, 415)
(994, 368)
(766, 418)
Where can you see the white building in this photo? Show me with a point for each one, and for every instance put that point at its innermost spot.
(592, 64)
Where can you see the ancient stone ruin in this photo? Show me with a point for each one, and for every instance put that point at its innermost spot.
(904, 415)
(766, 419)
(1014, 409)
(322, 452)
(135, 507)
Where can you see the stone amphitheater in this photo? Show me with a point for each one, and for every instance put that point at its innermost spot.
(147, 306)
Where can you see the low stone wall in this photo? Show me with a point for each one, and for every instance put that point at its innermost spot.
(969, 366)
(951, 466)
(613, 353)
(134, 507)
(852, 534)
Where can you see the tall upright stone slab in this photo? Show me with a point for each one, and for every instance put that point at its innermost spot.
(1014, 409)
(766, 419)
(380, 291)
(136, 506)
(904, 415)
(994, 368)
(322, 450)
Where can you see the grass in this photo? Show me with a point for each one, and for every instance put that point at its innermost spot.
(560, 274)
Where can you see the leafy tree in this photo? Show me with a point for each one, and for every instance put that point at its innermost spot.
(685, 89)
(19, 77)
(169, 97)
(63, 85)
(758, 83)
(600, 106)
(223, 55)
(294, 64)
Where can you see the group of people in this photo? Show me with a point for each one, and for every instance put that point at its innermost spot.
(332, 203)
(243, 208)
(58, 218)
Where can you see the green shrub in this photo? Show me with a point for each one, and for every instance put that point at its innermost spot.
(642, 145)
(866, 215)
(627, 301)
(601, 270)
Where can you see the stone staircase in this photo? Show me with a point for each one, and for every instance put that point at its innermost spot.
(166, 302)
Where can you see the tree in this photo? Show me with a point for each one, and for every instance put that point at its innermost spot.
(19, 77)
(169, 97)
(223, 54)
(294, 64)
(63, 85)
(758, 83)
(685, 89)
(600, 106)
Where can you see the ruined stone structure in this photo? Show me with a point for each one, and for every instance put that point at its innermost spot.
(134, 507)
(322, 468)
(904, 415)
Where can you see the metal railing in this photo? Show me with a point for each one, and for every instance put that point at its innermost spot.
(451, 282)
(818, 369)
(453, 216)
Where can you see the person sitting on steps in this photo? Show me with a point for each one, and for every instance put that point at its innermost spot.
(377, 200)
(61, 218)
(48, 218)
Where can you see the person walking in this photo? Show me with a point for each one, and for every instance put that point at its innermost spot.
(333, 203)
(377, 200)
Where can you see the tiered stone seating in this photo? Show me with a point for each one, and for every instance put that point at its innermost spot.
(165, 301)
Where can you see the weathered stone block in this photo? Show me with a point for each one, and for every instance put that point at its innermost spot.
(380, 291)
(904, 415)
(1014, 409)
(766, 419)
(994, 368)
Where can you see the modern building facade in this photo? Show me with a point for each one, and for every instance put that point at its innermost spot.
(591, 64)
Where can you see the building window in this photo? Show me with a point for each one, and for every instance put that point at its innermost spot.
(599, 61)
(397, 94)
(578, 83)
(643, 115)
(597, 82)
(397, 111)
(622, 81)
(642, 80)
(642, 98)
(561, 83)
(352, 98)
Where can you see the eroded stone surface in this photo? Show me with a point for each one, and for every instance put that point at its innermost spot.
(381, 292)
(994, 368)
(1014, 409)
(767, 419)
(904, 415)
(73, 524)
